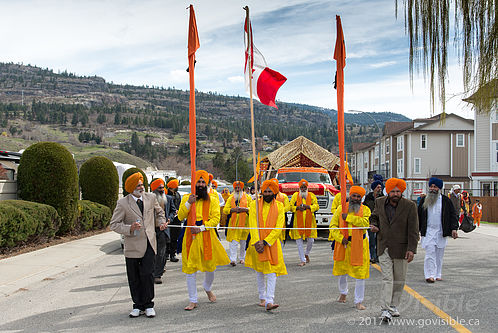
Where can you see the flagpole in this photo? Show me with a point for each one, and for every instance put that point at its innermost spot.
(253, 139)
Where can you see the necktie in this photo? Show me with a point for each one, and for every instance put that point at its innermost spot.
(140, 205)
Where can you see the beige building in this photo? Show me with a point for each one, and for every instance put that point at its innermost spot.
(415, 151)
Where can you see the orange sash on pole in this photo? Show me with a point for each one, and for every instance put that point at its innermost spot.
(242, 216)
(270, 253)
(206, 236)
(299, 218)
(356, 241)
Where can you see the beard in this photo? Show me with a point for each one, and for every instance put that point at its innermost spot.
(430, 199)
(268, 198)
(161, 198)
(138, 193)
(303, 194)
(237, 195)
(354, 206)
(202, 192)
(394, 198)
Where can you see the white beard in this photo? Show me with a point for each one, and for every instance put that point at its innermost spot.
(237, 195)
(304, 194)
(162, 199)
(430, 199)
(138, 193)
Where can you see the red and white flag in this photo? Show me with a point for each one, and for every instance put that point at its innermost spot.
(265, 81)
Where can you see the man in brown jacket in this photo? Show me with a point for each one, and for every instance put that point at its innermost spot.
(136, 217)
(395, 221)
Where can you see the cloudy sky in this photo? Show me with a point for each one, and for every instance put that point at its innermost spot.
(145, 42)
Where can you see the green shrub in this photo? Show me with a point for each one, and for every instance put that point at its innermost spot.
(47, 174)
(92, 216)
(185, 182)
(130, 172)
(24, 222)
(99, 181)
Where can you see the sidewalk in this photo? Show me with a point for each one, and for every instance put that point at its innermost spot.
(19, 272)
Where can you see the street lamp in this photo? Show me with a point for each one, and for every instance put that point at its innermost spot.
(378, 128)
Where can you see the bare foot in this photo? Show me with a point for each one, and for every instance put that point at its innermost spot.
(360, 306)
(241, 261)
(439, 279)
(271, 306)
(307, 258)
(342, 298)
(301, 264)
(430, 280)
(262, 303)
(190, 306)
(211, 296)
(233, 263)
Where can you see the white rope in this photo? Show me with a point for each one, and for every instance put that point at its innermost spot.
(248, 228)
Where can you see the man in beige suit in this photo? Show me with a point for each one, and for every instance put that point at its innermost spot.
(136, 217)
(395, 220)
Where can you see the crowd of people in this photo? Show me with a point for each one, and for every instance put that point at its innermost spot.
(379, 227)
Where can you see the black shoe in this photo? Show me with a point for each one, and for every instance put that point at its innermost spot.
(174, 259)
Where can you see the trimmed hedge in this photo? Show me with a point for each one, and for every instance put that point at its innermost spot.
(24, 221)
(48, 174)
(130, 172)
(92, 216)
(99, 181)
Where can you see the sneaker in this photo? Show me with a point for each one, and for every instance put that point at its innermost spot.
(386, 316)
(150, 313)
(158, 280)
(393, 311)
(134, 313)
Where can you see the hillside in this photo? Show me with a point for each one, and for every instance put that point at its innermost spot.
(86, 110)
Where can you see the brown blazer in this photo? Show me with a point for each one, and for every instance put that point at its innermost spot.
(127, 212)
(401, 234)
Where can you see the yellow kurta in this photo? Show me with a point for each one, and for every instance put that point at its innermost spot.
(252, 259)
(345, 267)
(336, 202)
(236, 234)
(310, 200)
(286, 204)
(195, 261)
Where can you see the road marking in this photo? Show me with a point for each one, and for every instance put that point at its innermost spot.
(429, 305)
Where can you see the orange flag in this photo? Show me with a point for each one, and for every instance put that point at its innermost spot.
(257, 170)
(340, 57)
(348, 173)
(193, 45)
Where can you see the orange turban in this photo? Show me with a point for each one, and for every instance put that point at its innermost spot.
(357, 190)
(156, 183)
(132, 182)
(210, 177)
(215, 183)
(201, 174)
(303, 182)
(274, 180)
(238, 183)
(173, 183)
(391, 183)
(271, 184)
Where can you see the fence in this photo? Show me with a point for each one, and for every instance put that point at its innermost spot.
(489, 208)
(8, 189)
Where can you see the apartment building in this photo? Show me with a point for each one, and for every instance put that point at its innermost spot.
(415, 151)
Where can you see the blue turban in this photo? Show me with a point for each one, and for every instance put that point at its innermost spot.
(377, 181)
(436, 181)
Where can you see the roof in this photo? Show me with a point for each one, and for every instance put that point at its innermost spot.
(490, 88)
(357, 146)
(299, 150)
(395, 127)
(438, 118)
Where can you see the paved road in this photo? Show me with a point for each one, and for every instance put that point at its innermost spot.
(82, 287)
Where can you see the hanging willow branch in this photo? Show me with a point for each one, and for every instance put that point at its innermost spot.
(427, 23)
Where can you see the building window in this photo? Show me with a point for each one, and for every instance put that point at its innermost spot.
(460, 142)
(423, 141)
(400, 167)
(417, 165)
(496, 152)
(387, 146)
(400, 143)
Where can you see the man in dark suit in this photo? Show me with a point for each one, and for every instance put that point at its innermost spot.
(395, 221)
(136, 216)
(171, 248)
(163, 237)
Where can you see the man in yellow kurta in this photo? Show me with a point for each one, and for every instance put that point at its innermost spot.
(351, 253)
(237, 210)
(303, 204)
(201, 249)
(284, 199)
(264, 254)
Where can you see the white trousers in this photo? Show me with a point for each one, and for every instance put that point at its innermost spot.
(309, 246)
(433, 261)
(233, 250)
(192, 286)
(266, 292)
(359, 288)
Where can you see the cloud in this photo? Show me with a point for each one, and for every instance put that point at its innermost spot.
(383, 64)
(236, 79)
